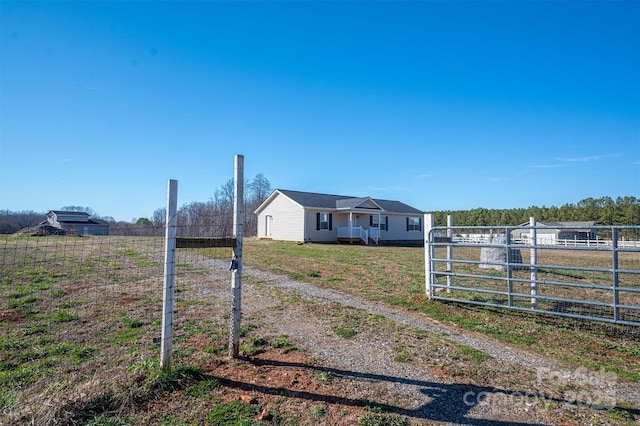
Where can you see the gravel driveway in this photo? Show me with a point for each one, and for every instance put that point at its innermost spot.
(369, 364)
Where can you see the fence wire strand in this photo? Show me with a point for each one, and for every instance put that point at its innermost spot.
(73, 304)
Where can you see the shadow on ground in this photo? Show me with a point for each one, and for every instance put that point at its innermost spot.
(450, 403)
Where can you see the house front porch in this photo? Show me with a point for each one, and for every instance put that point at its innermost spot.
(358, 234)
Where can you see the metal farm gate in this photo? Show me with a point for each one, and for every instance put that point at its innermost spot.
(594, 275)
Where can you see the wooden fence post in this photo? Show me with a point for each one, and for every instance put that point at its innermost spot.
(236, 262)
(169, 275)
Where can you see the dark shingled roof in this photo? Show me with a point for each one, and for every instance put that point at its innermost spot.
(327, 201)
(69, 213)
(349, 203)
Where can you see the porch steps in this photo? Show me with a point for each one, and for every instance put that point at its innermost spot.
(356, 241)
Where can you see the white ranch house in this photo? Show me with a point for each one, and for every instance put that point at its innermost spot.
(310, 217)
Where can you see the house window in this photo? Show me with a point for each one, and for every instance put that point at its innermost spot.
(324, 221)
(381, 222)
(413, 224)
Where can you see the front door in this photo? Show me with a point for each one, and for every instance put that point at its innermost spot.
(267, 226)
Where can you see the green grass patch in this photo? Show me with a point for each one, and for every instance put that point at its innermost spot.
(403, 354)
(132, 322)
(7, 398)
(146, 263)
(283, 343)
(21, 302)
(70, 304)
(25, 374)
(80, 354)
(318, 412)
(469, 353)
(176, 378)
(128, 335)
(64, 316)
(253, 345)
(345, 332)
(324, 377)
(378, 419)
(234, 413)
(58, 293)
(204, 387)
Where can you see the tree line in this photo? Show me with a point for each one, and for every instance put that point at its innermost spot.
(604, 211)
(210, 218)
(215, 216)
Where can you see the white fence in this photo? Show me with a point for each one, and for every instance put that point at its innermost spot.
(549, 240)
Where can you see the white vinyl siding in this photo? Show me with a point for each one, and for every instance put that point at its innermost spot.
(324, 235)
(397, 230)
(288, 220)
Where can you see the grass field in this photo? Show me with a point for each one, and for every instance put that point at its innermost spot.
(79, 316)
(395, 275)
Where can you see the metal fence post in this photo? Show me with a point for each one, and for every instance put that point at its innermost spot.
(169, 275)
(236, 263)
(428, 253)
(449, 252)
(533, 236)
(509, 257)
(614, 265)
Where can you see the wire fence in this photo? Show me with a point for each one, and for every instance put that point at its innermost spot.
(85, 309)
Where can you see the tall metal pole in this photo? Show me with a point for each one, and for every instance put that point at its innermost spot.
(449, 252)
(509, 255)
(428, 253)
(169, 275)
(615, 277)
(236, 262)
(533, 237)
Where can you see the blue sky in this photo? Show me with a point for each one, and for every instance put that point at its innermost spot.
(444, 105)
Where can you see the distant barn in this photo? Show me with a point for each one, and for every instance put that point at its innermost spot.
(552, 232)
(79, 223)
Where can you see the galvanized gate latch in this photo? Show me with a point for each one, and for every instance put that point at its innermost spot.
(234, 263)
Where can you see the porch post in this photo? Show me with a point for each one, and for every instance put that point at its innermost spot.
(350, 224)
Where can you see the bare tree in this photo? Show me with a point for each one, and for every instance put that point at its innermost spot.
(11, 222)
(258, 191)
(260, 188)
(87, 210)
(159, 217)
